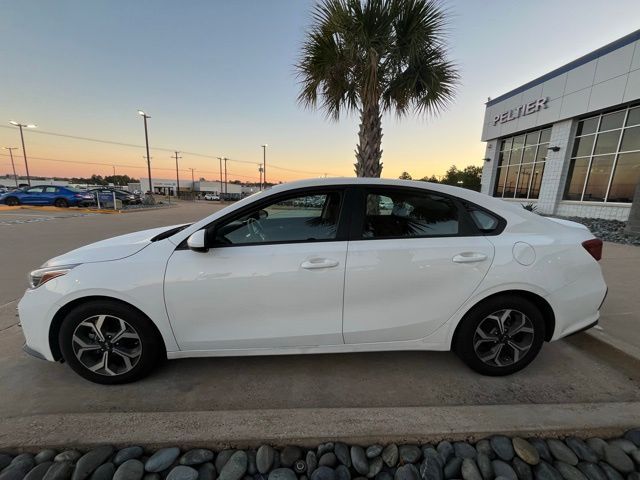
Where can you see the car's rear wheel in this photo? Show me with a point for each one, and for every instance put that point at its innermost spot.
(61, 203)
(108, 342)
(11, 201)
(500, 336)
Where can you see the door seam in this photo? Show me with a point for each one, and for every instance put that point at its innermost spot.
(344, 289)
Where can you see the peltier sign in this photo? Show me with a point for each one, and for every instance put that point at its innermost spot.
(521, 111)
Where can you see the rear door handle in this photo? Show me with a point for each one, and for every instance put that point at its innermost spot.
(317, 263)
(469, 257)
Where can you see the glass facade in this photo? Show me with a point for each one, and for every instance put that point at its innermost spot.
(521, 164)
(605, 160)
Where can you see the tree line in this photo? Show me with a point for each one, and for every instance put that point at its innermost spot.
(469, 177)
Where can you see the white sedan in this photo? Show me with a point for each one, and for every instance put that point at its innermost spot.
(319, 266)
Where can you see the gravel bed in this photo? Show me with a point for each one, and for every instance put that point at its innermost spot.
(607, 230)
(498, 457)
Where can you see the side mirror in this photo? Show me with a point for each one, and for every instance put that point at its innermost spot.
(197, 241)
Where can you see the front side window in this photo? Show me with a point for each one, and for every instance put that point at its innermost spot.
(399, 214)
(521, 164)
(34, 190)
(302, 218)
(605, 163)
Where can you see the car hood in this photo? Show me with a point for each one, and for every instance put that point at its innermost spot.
(110, 249)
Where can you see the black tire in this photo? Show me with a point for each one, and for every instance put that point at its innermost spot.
(467, 334)
(61, 203)
(11, 201)
(151, 346)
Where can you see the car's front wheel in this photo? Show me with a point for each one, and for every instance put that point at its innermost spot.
(12, 201)
(110, 343)
(501, 335)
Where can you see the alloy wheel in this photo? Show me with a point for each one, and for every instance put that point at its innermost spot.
(503, 338)
(106, 345)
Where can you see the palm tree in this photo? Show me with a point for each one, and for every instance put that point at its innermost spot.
(375, 56)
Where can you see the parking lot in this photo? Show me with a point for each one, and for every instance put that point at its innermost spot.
(577, 371)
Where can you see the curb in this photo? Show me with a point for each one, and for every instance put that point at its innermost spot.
(309, 427)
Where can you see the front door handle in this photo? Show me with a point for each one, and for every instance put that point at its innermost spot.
(316, 263)
(469, 257)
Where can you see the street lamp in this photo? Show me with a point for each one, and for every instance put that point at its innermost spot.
(146, 139)
(264, 164)
(24, 152)
(11, 149)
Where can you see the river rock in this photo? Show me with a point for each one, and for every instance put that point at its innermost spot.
(545, 471)
(610, 472)
(106, 471)
(196, 456)
(484, 446)
(207, 471)
(5, 460)
(446, 451)
(343, 473)
(12, 474)
(312, 461)
(431, 466)
(390, 455)
(329, 459)
(384, 475)
(70, 456)
(182, 472)
(341, 451)
(23, 462)
(569, 472)
(282, 474)
(591, 471)
(359, 460)
(484, 465)
(543, 449)
(59, 471)
(235, 468)
(633, 435)
(130, 470)
(90, 461)
(264, 458)
(127, 453)
(375, 465)
(503, 469)
(289, 455)
(619, 460)
(162, 459)
(470, 470)
(464, 450)
(522, 469)
(526, 451)
(409, 453)
(581, 449)
(324, 448)
(453, 468)
(46, 455)
(224, 456)
(323, 473)
(39, 471)
(503, 447)
(625, 445)
(561, 452)
(635, 456)
(597, 445)
(407, 472)
(373, 451)
(431, 455)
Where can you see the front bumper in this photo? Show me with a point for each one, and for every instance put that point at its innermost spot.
(32, 352)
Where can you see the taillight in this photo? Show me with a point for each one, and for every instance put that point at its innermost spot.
(594, 247)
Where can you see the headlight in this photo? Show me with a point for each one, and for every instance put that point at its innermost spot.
(43, 275)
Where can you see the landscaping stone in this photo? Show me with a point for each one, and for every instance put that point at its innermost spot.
(312, 461)
(470, 470)
(359, 460)
(329, 459)
(597, 445)
(5, 460)
(409, 453)
(503, 447)
(343, 473)
(90, 461)
(452, 468)
(431, 466)
(484, 465)
(569, 472)
(39, 471)
(633, 435)
(207, 471)
(104, 472)
(373, 451)
(196, 456)
(323, 473)
(446, 451)
(162, 459)
(561, 452)
(545, 471)
(625, 445)
(592, 471)
(59, 471)
(264, 458)
(484, 446)
(610, 472)
(130, 470)
(289, 455)
(70, 456)
(526, 451)
(324, 448)
(464, 450)
(23, 462)
(503, 469)
(431, 455)
(127, 453)
(375, 466)
(235, 467)
(282, 474)
(182, 472)
(407, 472)
(522, 469)
(224, 456)
(341, 451)
(619, 460)
(44, 456)
(543, 449)
(581, 449)
(390, 455)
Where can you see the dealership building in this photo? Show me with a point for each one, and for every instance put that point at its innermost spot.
(569, 141)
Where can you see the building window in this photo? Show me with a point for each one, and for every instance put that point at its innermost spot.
(521, 164)
(605, 160)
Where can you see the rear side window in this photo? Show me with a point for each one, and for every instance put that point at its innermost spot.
(406, 214)
(50, 189)
(484, 220)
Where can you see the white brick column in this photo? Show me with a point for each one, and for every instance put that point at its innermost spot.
(555, 170)
(490, 168)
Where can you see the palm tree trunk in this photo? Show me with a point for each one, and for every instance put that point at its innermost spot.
(368, 150)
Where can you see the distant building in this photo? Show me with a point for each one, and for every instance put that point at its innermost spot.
(164, 186)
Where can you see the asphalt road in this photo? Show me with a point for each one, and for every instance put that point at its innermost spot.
(565, 372)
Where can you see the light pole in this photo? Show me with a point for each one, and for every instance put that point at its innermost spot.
(264, 164)
(220, 158)
(24, 152)
(13, 165)
(146, 139)
(193, 184)
(260, 169)
(177, 174)
(226, 190)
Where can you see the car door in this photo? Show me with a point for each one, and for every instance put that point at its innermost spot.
(413, 261)
(32, 196)
(273, 277)
(49, 195)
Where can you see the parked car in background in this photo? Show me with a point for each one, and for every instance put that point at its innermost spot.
(55, 195)
(106, 196)
(445, 268)
(211, 196)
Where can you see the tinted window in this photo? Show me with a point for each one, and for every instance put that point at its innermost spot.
(51, 189)
(484, 220)
(34, 190)
(398, 214)
(301, 218)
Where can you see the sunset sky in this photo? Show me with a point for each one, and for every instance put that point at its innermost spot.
(217, 78)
